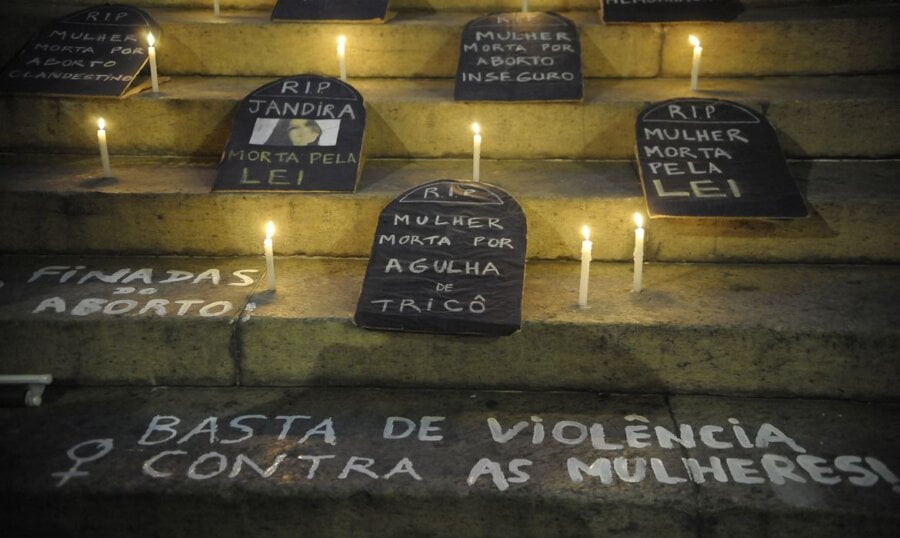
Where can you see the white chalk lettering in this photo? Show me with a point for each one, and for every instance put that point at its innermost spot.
(102, 448)
(484, 466)
(189, 455)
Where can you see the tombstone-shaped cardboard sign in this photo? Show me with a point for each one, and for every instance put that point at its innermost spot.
(683, 10)
(301, 133)
(448, 257)
(97, 51)
(519, 57)
(331, 10)
(713, 158)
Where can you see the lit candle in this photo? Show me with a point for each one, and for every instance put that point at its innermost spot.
(151, 50)
(270, 255)
(638, 252)
(586, 246)
(476, 152)
(695, 66)
(342, 56)
(216, 7)
(104, 151)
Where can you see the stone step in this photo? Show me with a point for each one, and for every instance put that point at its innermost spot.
(125, 462)
(485, 6)
(810, 331)
(165, 206)
(763, 42)
(814, 116)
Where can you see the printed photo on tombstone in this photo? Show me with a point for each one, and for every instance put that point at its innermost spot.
(294, 132)
(713, 158)
(519, 56)
(670, 10)
(448, 257)
(301, 133)
(98, 51)
(332, 10)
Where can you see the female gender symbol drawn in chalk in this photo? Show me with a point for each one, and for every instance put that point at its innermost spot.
(103, 448)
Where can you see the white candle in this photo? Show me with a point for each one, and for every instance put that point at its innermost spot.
(216, 7)
(638, 253)
(270, 254)
(476, 152)
(104, 151)
(151, 50)
(695, 66)
(586, 247)
(342, 56)
(524, 6)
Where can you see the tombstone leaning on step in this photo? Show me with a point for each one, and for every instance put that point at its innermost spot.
(448, 257)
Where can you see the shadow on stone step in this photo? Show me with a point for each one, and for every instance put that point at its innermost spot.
(13, 396)
(813, 226)
(731, 95)
(98, 182)
(324, 513)
(214, 142)
(263, 297)
(539, 357)
(377, 127)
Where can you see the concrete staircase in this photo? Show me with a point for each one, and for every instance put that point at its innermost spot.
(743, 325)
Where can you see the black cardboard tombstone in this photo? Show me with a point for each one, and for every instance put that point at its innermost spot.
(331, 10)
(519, 57)
(713, 158)
(301, 133)
(670, 10)
(448, 257)
(97, 51)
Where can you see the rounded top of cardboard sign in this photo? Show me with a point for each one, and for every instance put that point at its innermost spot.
(544, 18)
(454, 192)
(696, 110)
(309, 87)
(113, 15)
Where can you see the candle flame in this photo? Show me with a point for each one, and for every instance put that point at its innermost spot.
(341, 43)
(150, 39)
(586, 232)
(638, 220)
(101, 124)
(270, 229)
(694, 41)
(476, 128)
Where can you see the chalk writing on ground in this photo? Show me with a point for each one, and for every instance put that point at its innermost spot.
(307, 448)
(82, 290)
